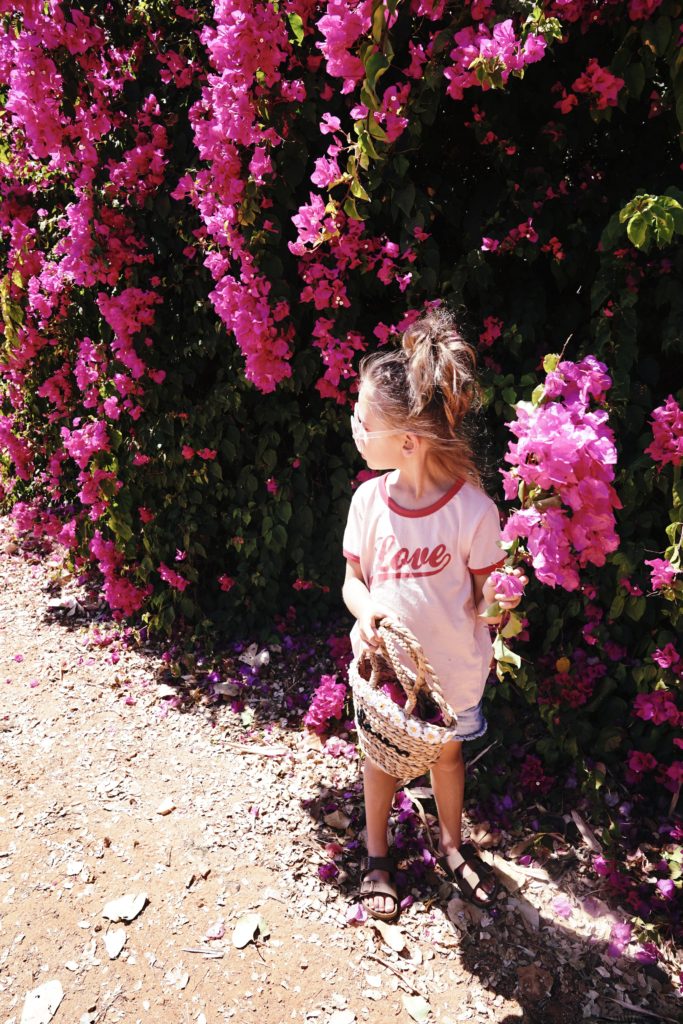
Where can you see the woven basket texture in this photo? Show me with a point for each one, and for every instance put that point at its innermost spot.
(395, 738)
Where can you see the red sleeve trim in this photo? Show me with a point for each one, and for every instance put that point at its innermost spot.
(488, 569)
(350, 557)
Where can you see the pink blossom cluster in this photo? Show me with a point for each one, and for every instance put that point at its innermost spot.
(66, 145)
(532, 778)
(663, 574)
(249, 52)
(120, 593)
(641, 763)
(524, 232)
(327, 703)
(641, 10)
(498, 50)
(173, 578)
(507, 584)
(667, 431)
(600, 85)
(658, 707)
(341, 26)
(563, 460)
(571, 685)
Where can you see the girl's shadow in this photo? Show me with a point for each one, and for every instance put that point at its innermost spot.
(555, 974)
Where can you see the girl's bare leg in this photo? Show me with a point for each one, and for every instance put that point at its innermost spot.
(448, 783)
(379, 789)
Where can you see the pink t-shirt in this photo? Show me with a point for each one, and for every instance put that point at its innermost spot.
(418, 562)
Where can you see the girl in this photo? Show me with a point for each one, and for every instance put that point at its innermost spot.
(420, 544)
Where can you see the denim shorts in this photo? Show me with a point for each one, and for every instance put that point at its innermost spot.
(471, 724)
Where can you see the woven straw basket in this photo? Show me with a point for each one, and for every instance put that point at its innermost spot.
(392, 737)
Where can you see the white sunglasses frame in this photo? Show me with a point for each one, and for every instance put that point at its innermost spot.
(361, 435)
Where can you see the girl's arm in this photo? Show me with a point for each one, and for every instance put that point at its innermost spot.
(360, 603)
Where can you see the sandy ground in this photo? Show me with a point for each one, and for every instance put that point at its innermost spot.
(219, 829)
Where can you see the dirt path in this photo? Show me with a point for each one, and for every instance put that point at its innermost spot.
(104, 792)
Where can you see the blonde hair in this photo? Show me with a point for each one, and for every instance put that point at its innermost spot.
(429, 385)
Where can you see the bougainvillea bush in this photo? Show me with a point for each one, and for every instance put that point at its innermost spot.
(209, 212)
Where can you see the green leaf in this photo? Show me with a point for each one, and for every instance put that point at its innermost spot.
(297, 26)
(635, 608)
(513, 627)
(351, 210)
(358, 191)
(378, 21)
(637, 231)
(634, 76)
(375, 68)
(503, 654)
(537, 395)
(609, 739)
(550, 362)
(405, 198)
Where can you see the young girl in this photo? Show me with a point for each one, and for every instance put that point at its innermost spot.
(420, 544)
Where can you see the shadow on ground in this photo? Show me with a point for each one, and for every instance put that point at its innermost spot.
(521, 950)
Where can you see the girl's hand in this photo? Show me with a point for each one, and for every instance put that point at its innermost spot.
(368, 621)
(505, 588)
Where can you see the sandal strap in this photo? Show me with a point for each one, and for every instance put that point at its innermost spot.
(483, 873)
(378, 864)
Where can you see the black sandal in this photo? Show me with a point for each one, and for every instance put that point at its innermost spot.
(370, 888)
(484, 875)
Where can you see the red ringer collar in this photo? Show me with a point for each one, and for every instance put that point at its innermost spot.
(416, 513)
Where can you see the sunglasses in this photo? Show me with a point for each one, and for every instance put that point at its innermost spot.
(361, 435)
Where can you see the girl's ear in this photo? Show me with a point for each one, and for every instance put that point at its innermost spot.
(410, 444)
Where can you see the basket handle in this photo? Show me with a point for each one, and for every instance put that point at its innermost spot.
(393, 636)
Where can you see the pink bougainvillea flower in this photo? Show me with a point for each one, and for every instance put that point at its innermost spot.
(647, 953)
(507, 584)
(562, 907)
(174, 579)
(657, 707)
(226, 582)
(328, 871)
(207, 454)
(187, 452)
(639, 762)
(662, 573)
(600, 85)
(666, 887)
(272, 485)
(356, 914)
(667, 431)
(620, 937)
(668, 657)
(327, 703)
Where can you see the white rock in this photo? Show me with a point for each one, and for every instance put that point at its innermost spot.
(126, 908)
(41, 1004)
(342, 1017)
(166, 806)
(114, 942)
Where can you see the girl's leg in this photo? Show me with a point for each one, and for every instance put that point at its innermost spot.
(379, 789)
(448, 783)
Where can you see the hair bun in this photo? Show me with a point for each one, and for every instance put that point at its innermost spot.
(441, 366)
